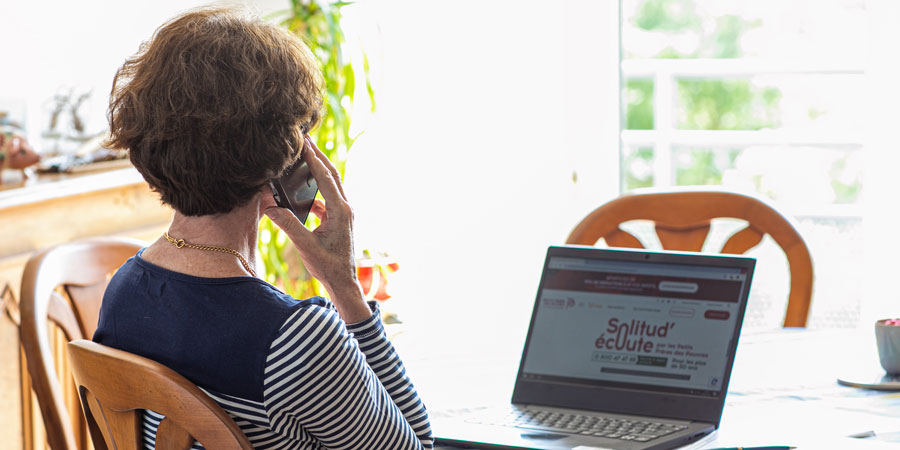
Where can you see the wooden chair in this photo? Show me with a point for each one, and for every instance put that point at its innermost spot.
(682, 222)
(64, 285)
(115, 386)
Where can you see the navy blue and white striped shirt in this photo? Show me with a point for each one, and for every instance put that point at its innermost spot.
(290, 373)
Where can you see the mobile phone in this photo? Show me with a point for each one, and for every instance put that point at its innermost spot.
(295, 189)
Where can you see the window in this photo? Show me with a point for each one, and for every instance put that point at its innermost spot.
(758, 97)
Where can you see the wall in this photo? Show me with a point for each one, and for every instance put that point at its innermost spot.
(487, 110)
(53, 46)
(881, 214)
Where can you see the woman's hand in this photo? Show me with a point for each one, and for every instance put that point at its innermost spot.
(327, 252)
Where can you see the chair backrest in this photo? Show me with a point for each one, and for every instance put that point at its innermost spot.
(682, 222)
(64, 285)
(115, 386)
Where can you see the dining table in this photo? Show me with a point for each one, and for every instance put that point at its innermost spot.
(784, 388)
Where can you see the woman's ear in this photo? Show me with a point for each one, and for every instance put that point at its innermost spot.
(266, 200)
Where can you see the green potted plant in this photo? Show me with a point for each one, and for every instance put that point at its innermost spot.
(318, 23)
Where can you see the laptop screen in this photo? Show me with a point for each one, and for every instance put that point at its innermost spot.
(659, 326)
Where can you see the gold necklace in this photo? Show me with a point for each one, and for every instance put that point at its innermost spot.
(180, 243)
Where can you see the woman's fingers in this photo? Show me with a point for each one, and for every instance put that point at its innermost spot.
(327, 163)
(328, 184)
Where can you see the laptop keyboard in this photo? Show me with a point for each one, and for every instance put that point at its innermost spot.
(600, 426)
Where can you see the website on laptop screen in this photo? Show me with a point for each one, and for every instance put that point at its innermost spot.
(621, 323)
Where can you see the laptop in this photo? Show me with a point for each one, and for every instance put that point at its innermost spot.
(627, 349)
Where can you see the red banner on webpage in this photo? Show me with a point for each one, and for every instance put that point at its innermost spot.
(645, 285)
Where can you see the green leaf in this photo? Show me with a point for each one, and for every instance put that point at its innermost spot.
(369, 89)
(349, 81)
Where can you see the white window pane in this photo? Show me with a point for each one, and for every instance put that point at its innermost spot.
(637, 168)
(828, 103)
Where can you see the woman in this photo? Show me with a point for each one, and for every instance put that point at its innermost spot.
(210, 109)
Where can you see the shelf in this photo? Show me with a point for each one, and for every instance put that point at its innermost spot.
(48, 209)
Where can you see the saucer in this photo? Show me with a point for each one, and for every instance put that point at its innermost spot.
(879, 381)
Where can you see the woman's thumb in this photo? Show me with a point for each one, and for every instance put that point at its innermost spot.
(288, 222)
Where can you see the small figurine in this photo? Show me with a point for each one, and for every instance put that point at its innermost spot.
(16, 153)
(74, 106)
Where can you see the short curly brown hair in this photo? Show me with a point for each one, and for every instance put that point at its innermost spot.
(215, 104)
